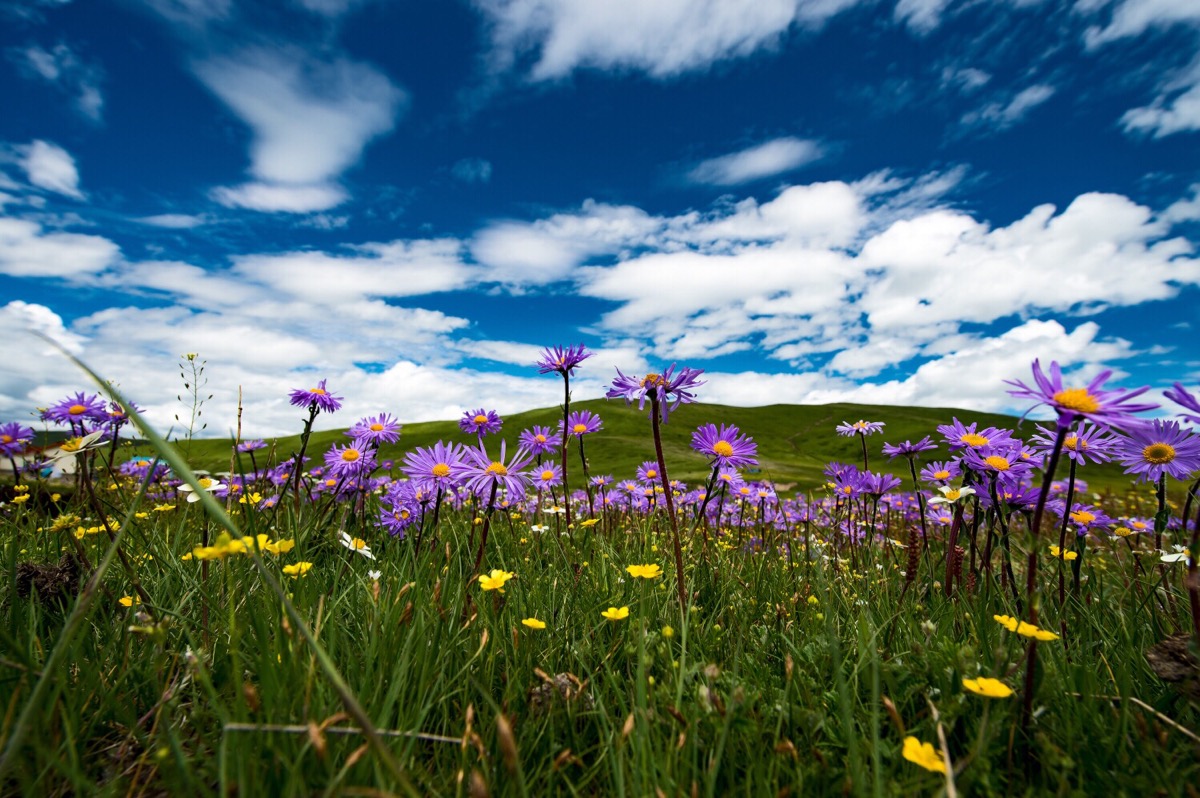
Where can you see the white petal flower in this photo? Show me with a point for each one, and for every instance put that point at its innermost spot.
(207, 483)
(356, 545)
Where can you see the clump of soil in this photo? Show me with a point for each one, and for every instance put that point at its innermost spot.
(1171, 661)
(564, 688)
(55, 585)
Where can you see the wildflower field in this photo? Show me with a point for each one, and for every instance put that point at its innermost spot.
(964, 611)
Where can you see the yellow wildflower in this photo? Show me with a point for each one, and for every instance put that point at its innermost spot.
(923, 754)
(1063, 554)
(651, 571)
(534, 623)
(129, 601)
(495, 580)
(297, 570)
(615, 614)
(987, 687)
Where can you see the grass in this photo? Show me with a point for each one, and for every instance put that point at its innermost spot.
(786, 673)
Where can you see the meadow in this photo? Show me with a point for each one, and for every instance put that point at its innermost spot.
(929, 607)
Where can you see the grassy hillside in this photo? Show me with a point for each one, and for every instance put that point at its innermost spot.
(794, 441)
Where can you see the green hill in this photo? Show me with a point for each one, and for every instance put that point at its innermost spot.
(794, 441)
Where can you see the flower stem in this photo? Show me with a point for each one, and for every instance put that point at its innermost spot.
(662, 470)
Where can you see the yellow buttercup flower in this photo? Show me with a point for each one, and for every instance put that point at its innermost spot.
(988, 687)
(615, 614)
(222, 548)
(129, 601)
(297, 570)
(1063, 554)
(495, 580)
(923, 754)
(644, 571)
(534, 623)
(1022, 628)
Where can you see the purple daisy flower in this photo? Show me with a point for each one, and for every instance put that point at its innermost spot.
(960, 436)
(1104, 407)
(480, 473)
(318, 398)
(648, 472)
(117, 417)
(1160, 447)
(433, 467)
(669, 389)
(726, 447)
(1087, 441)
(1185, 400)
(859, 427)
(909, 449)
(376, 429)
(77, 409)
(354, 459)
(537, 440)
(547, 475)
(251, 446)
(582, 422)
(878, 484)
(941, 473)
(480, 422)
(14, 438)
(563, 360)
(1002, 461)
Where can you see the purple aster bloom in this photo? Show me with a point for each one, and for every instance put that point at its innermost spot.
(878, 484)
(582, 422)
(1185, 400)
(960, 436)
(353, 460)
(546, 476)
(400, 508)
(117, 417)
(376, 429)
(859, 427)
(537, 440)
(909, 449)
(730, 478)
(433, 467)
(941, 473)
(480, 472)
(14, 438)
(648, 472)
(1080, 444)
(251, 446)
(1103, 407)
(480, 422)
(1002, 460)
(562, 360)
(77, 409)
(848, 483)
(1135, 525)
(726, 447)
(318, 398)
(1160, 447)
(669, 389)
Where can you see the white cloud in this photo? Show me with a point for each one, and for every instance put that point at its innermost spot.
(280, 197)
(1176, 109)
(472, 170)
(754, 163)
(311, 121)
(662, 38)
(999, 116)
(63, 68)
(921, 16)
(49, 166)
(964, 79)
(28, 251)
(1134, 17)
(173, 221)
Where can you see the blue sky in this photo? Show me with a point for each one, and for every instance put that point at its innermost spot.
(890, 201)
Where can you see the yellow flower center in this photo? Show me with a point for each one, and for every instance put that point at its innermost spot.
(651, 474)
(943, 474)
(350, 455)
(579, 429)
(205, 482)
(497, 469)
(76, 410)
(1139, 525)
(723, 449)
(547, 475)
(358, 543)
(1083, 517)
(440, 470)
(376, 427)
(1077, 399)
(953, 495)
(1075, 444)
(973, 439)
(1158, 453)
(6, 439)
(71, 445)
(317, 391)
(652, 380)
(480, 419)
(997, 462)
(540, 438)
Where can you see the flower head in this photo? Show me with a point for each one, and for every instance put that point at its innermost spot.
(1104, 407)
(480, 422)
(1022, 628)
(479, 472)
(1078, 444)
(495, 580)
(616, 614)
(533, 623)
(909, 449)
(14, 438)
(546, 476)
(350, 461)
(923, 754)
(951, 495)
(435, 466)
(73, 446)
(964, 436)
(297, 570)
(318, 398)
(941, 472)
(357, 545)
(560, 359)
(1187, 401)
(1003, 460)
(1160, 447)
(988, 687)
(206, 483)
(582, 422)
(669, 389)
(652, 571)
(77, 409)
(251, 446)
(537, 440)
(859, 427)
(376, 429)
(726, 447)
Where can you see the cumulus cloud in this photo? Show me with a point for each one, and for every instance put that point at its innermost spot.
(66, 70)
(754, 163)
(26, 250)
(311, 120)
(663, 38)
(50, 167)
